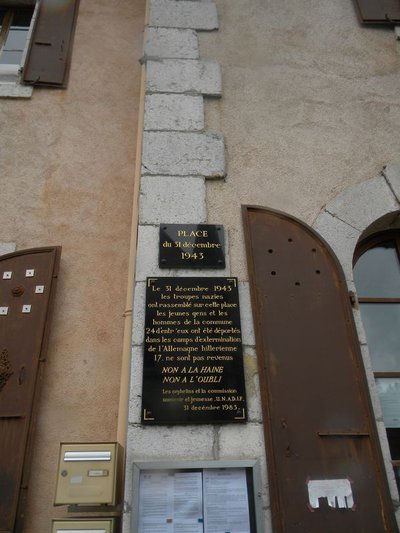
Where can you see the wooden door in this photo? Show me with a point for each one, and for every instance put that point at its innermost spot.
(27, 286)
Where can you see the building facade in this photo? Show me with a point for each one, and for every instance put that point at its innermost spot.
(299, 100)
(254, 117)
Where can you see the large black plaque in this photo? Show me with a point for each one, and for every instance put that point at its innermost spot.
(193, 362)
(191, 246)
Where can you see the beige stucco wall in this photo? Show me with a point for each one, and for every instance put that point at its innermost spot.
(66, 174)
(310, 106)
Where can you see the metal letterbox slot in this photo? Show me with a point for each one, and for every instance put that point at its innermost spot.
(3, 310)
(7, 275)
(83, 525)
(81, 530)
(87, 456)
(29, 273)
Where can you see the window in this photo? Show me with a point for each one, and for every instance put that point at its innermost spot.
(15, 27)
(377, 279)
(36, 41)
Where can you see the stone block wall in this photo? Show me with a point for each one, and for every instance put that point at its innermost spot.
(178, 157)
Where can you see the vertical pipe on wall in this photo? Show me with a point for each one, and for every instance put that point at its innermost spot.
(127, 339)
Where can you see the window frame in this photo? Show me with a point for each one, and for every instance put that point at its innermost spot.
(374, 240)
(14, 87)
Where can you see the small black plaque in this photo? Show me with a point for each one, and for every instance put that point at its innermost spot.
(191, 246)
(193, 361)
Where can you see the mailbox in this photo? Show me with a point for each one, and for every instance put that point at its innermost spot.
(87, 474)
(83, 525)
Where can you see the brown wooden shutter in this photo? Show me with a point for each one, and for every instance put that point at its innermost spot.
(50, 49)
(378, 11)
(318, 422)
(27, 286)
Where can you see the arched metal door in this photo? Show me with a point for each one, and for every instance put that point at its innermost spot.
(325, 467)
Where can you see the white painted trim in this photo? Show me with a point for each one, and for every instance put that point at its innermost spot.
(15, 90)
(10, 75)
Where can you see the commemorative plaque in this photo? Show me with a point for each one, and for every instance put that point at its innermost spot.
(191, 246)
(193, 361)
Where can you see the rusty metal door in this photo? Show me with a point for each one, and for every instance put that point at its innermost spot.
(27, 286)
(325, 466)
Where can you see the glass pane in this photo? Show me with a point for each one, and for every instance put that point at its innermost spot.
(16, 39)
(382, 326)
(377, 272)
(389, 395)
(22, 16)
(10, 58)
(3, 11)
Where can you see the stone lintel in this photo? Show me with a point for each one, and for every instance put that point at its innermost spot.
(176, 200)
(171, 43)
(183, 154)
(183, 14)
(184, 76)
(175, 112)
